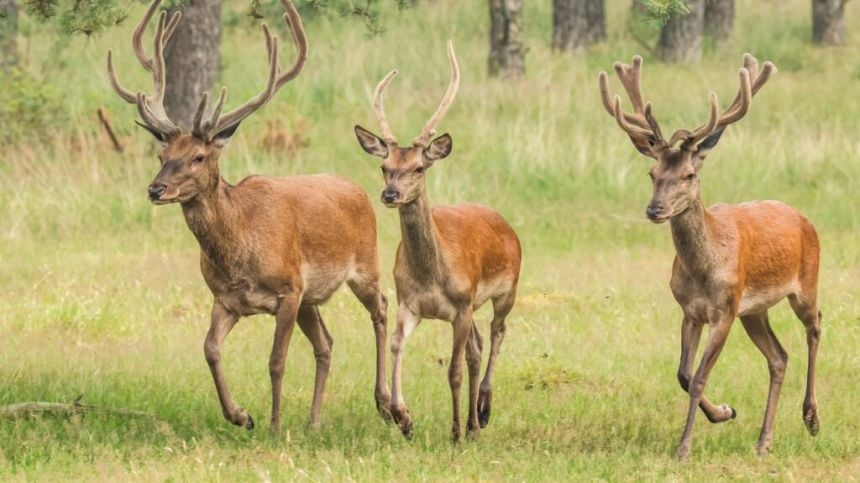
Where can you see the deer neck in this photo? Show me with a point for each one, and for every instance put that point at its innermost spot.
(692, 237)
(420, 238)
(213, 219)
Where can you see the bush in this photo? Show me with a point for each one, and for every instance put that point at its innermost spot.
(29, 107)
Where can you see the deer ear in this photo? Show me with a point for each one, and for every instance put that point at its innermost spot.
(223, 138)
(371, 143)
(161, 137)
(440, 148)
(704, 147)
(645, 147)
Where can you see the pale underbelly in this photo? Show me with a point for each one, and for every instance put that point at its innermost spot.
(757, 301)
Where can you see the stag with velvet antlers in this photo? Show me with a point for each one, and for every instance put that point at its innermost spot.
(279, 246)
(732, 260)
(451, 260)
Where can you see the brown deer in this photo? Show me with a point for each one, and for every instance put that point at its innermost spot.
(279, 246)
(451, 260)
(732, 260)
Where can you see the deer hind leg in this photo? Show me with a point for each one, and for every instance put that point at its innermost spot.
(759, 330)
(462, 326)
(474, 350)
(720, 327)
(367, 290)
(406, 323)
(222, 323)
(285, 322)
(691, 332)
(314, 329)
(501, 307)
(809, 314)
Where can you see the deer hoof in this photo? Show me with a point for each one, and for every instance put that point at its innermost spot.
(249, 423)
(382, 407)
(734, 413)
(484, 401)
(683, 453)
(763, 449)
(400, 415)
(810, 418)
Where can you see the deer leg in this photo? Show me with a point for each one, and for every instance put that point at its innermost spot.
(462, 326)
(406, 323)
(369, 294)
(285, 322)
(691, 332)
(222, 323)
(716, 340)
(314, 329)
(811, 318)
(474, 349)
(501, 308)
(758, 328)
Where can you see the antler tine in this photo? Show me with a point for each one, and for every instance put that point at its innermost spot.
(378, 109)
(294, 22)
(137, 35)
(429, 130)
(631, 129)
(691, 139)
(276, 80)
(653, 124)
(240, 113)
(126, 94)
(630, 77)
(198, 114)
(641, 123)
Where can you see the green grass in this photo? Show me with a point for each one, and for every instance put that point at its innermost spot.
(102, 296)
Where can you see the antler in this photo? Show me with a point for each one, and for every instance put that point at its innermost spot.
(387, 135)
(639, 124)
(751, 80)
(216, 122)
(151, 108)
(423, 139)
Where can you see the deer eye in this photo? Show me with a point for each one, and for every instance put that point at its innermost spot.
(199, 158)
(691, 176)
(419, 170)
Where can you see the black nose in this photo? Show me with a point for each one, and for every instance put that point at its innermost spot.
(156, 190)
(653, 211)
(389, 195)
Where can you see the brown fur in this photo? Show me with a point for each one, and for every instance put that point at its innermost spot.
(451, 260)
(279, 246)
(732, 260)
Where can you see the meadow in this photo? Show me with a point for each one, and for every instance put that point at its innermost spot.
(102, 296)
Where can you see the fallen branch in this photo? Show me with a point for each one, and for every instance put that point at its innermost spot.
(105, 120)
(34, 408)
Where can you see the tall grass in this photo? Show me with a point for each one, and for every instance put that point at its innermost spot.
(102, 295)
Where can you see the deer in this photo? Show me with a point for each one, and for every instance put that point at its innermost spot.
(277, 246)
(450, 261)
(732, 261)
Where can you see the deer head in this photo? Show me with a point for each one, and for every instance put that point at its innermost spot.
(675, 175)
(189, 160)
(404, 168)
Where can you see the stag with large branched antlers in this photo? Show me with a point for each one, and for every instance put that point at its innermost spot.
(732, 260)
(451, 260)
(279, 246)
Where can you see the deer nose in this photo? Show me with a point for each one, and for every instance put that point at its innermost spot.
(389, 195)
(156, 190)
(653, 211)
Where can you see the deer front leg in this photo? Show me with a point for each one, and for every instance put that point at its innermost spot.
(222, 323)
(691, 332)
(285, 322)
(407, 320)
(462, 327)
(716, 340)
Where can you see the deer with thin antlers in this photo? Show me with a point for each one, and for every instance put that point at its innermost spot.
(279, 246)
(451, 260)
(732, 260)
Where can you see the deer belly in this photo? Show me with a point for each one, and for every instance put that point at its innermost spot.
(321, 282)
(754, 301)
(250, 301)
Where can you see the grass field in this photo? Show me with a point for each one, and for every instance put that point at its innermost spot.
(102, 296)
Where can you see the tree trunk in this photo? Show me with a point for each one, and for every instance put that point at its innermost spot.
(577, 23)
(828, 22)
(8, 34)
(719, 18)
(192, 59)
(681, 37)
(507, 47)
